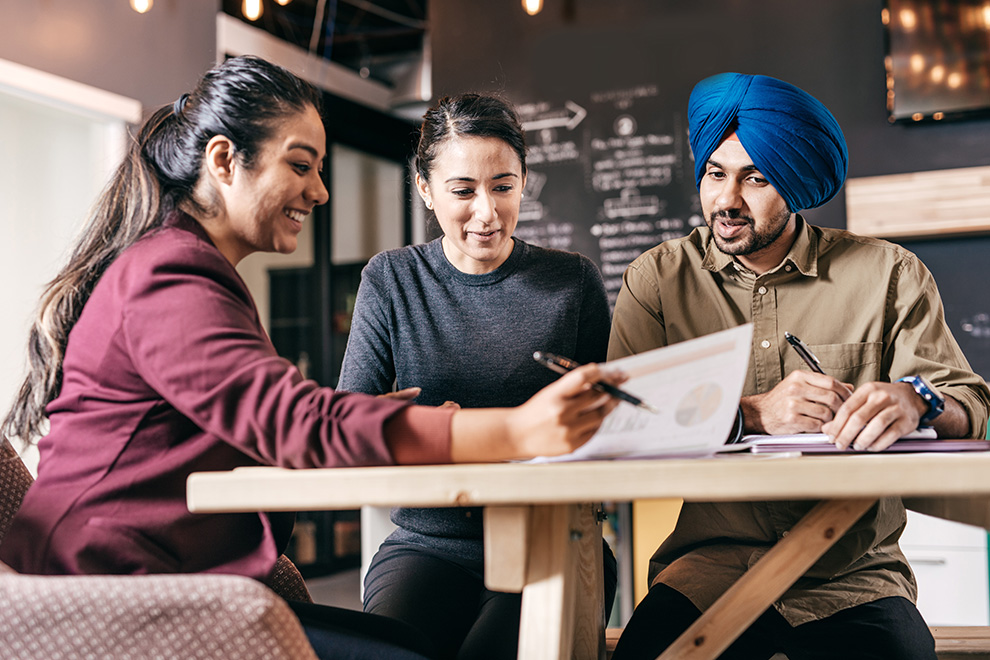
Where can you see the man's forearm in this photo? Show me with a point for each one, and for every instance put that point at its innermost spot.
(954, 421)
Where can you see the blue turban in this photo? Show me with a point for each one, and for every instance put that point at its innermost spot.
(793, 139)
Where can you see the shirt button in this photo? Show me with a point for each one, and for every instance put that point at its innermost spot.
(765, 343)
(762, 290)
(787, 268)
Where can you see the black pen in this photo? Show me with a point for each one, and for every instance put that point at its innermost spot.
(804, 352)
(562, 365)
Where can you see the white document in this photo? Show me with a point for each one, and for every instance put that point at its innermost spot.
(695, 385)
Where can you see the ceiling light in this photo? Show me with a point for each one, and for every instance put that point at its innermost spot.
(283, 2)
(142, 6)
(532, 7)
(909, 20)
(251, 9)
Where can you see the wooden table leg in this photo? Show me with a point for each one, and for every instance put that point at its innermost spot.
(560, 577)
(506, 547)
(767, 580)
(589, 591)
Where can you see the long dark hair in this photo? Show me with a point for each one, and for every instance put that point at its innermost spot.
(475, 115)
(241, 99)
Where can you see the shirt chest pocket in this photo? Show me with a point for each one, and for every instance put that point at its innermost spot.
(856, 363)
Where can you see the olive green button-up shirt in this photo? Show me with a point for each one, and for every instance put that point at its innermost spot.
(870, 311)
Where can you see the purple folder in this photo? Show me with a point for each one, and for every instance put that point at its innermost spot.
(899, 447)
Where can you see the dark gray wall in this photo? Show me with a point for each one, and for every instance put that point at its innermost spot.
(831, 48)
(834, 49)
(151, 57)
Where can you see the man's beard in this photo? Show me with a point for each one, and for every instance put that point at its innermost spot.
(751, 242)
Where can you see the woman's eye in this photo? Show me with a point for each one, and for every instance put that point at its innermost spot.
(302, 167)
(462, 192)
(503, 189)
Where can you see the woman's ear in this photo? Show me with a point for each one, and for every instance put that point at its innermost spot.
(219, 159)
(424, 191)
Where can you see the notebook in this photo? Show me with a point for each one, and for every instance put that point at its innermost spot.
(922, 440)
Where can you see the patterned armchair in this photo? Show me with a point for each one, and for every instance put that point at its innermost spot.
(153, 616)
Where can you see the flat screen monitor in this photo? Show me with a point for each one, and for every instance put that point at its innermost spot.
(937, 60)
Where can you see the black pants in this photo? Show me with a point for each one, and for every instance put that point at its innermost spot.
(340, 634)
(446, 599)
(886, 629)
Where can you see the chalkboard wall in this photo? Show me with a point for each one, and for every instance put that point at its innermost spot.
(602, 89)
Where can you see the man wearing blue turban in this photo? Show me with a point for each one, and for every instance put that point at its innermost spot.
(868, 309)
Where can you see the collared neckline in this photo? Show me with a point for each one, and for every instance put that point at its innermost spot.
(802, 256)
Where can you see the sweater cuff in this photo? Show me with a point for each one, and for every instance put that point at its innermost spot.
(419, 435)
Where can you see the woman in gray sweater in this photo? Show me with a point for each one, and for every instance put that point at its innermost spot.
(459, 318)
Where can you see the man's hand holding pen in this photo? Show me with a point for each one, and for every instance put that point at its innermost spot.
(801, 403)
(871, 418)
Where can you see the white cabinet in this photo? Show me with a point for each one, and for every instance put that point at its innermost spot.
(950, 563)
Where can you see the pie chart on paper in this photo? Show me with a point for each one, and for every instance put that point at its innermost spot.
(698, 404)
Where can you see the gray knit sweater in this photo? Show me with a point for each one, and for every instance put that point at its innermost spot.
(418, 321)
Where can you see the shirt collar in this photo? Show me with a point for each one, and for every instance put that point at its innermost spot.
(803, 255)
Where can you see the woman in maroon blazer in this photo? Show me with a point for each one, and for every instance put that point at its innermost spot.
(149, 360)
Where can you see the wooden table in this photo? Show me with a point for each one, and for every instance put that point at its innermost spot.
(542, 533)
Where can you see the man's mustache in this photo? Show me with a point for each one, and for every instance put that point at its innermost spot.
(729, 214)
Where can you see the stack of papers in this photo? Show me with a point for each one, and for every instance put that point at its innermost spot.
(695, 385)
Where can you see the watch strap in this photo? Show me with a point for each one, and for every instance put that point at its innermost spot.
(931, 397)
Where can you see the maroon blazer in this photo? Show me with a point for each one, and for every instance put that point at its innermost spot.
(169, 371)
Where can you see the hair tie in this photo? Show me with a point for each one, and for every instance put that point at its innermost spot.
(179, 105)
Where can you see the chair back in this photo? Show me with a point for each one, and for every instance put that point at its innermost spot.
(14, 483)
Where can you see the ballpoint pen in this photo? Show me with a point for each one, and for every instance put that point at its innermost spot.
(804, 352)
(562, 365)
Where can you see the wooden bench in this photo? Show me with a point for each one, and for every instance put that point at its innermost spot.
(611, 638)
(951, 642)
(962, 642)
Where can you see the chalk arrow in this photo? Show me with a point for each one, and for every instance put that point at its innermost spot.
(571, 116)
